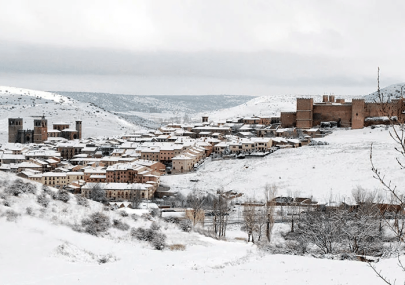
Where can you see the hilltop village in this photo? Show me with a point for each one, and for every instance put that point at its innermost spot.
(61, 158)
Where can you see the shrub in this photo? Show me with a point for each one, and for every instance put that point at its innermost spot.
(96, 223)
(159, 241)
(11, 216)
(62, 195)
(142, 234)
(6, 203)
(154, 226)
(155, 213)
(43, 200)
(118, 224)
(19, 186)
(124, 214)
(82, 201)
(29, 211)
(135, 217)
(185, 225)
(50, 192)
(172, 220)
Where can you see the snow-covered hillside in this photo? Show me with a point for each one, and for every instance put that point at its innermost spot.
(40, 247)
(393, 91)
(29, 104)
(318, 171)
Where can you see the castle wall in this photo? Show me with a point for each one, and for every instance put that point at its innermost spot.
(329, 112)
(288, 119)
(304, 113)
(358, 113)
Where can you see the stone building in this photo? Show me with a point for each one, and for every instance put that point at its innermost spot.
(40, 133)
(356, 114)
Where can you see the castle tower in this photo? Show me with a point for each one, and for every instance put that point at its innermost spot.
(205, 119)
(40, 130)
(14, 125)
(79, 129)
(305, 107)
(357, 113)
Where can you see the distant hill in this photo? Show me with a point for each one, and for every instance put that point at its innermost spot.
(158, 103)
(27, 104)
(390, 92)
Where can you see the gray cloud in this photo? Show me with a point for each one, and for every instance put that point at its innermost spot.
(201, 47)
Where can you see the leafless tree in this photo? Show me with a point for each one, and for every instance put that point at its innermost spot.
(270, 192)
(136, 198)
(196, 202)
(220, 211)
(397, 133)
(250, 219)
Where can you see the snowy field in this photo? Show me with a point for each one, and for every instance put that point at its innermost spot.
(324, 172)
(41, 248)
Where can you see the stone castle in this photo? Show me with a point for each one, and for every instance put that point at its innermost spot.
(356, 114)
(40, 133)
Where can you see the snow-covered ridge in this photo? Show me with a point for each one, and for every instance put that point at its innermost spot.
(28, 104)
(393, 91)
(6, 90)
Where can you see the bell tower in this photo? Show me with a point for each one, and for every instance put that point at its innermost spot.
(40, 130)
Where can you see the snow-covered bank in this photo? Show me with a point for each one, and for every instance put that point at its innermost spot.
(318, 171)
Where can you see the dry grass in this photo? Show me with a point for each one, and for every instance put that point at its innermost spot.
(240, 238)
(177, 247)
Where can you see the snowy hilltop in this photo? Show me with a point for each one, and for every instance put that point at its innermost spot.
(390, 92)
(27, 104)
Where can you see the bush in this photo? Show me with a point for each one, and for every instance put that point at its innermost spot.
(50, 192)
(96, 223)
(185, 225)
(154, 226)
(120, 225)
(159, 241)
(43, 200)
(19, 186)
(135, 217)
(142, 234)
(11, 216)
(82, 201)
(155, 213)
(6, 203)
(62, 195)
(172, 220)
(124, 214)
(29, 211)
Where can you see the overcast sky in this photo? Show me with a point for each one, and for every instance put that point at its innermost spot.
(202, 47)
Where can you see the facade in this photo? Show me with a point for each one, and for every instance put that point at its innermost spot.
(40, 133)
(356, 114)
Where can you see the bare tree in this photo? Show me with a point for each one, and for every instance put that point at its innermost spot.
(250, 219)
(196, 202)
(136, 198)
(98, 194)
(270, 192)
(220, 211)
(397, 133)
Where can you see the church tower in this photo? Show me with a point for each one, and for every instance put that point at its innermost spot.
(40, 130)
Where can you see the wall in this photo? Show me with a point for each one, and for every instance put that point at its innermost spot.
(326, 113)
(288, 119)
(358, 113)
